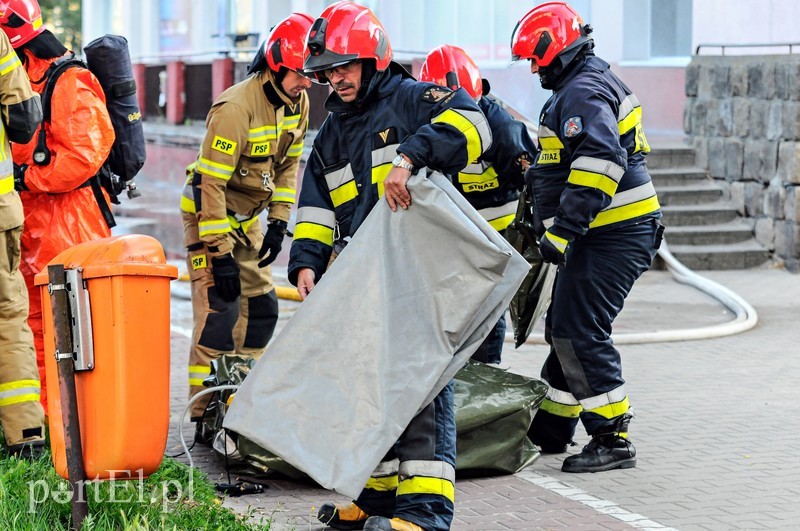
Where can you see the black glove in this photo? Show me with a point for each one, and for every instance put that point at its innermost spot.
(226, 277)
(272, 243)
(553, 248)
(19, 177)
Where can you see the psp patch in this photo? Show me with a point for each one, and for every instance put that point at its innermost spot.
(223, 145)
(573, 127)
(436, 94)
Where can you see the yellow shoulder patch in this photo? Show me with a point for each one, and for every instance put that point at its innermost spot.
(223, 145)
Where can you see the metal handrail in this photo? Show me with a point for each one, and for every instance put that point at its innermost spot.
(722, 47)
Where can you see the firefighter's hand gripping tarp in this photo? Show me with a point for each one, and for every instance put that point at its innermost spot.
(533, 296)
(397, 314)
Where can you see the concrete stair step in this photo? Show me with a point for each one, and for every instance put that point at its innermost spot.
(689, 194)
(678, 176)
(670, 156)
(706, 214)
(740, 255)
(738, 230)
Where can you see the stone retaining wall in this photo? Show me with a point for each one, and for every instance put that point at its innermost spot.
(743, 113)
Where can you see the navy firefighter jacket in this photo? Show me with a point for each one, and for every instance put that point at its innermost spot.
(590, 174)
(492, 183)
(353, 150)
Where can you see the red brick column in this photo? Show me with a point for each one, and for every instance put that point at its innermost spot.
(221, 76)
(176, 97)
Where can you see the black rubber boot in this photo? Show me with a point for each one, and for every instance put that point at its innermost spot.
(349, 517)
(31, 451)
(606, 451)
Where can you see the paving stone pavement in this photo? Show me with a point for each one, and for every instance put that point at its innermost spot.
(714, 428)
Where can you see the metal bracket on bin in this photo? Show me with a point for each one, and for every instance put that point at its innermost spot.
(80, 320)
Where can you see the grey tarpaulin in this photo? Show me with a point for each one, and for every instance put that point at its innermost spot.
(397, 314)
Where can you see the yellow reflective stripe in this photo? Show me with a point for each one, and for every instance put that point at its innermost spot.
(615, 409)
(290, 122)
(423, 485)
(215, 169)
(313, 231)
(466, 127)
(561, 410)
(198, 373)
(9, 63)
(266, 132)
(593, 180)
(382, 484)
(284, 195)
(295, 150)
(30, 397)
(379, 174)
(344, 193)
(244, 224)
(488, 175)
(6, 184)
(19, 384)
(187, 205)
(214, 226)
(558, 242)
(550, 143)
(629, 122)
(622, 213)
(501, 223)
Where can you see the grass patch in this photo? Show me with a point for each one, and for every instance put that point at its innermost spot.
(33, 497)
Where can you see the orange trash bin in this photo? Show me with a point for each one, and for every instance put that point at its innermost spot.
(123, 392)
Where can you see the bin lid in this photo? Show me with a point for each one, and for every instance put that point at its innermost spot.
(131, 254)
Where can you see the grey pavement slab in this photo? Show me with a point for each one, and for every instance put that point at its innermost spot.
(714, 429)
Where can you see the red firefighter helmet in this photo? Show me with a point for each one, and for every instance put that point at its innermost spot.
(21, 20)
(286, 44)
(344, 32)
(547, 31)
(450, 66)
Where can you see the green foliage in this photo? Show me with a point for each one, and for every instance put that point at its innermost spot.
(63, 18)
(34, 498)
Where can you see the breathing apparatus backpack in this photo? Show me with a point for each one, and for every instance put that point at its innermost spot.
(108, 59)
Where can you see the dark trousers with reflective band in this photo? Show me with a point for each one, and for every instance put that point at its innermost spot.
(588, 294)
(492, 347)
(242, 327)
(422, 490)
(21, 413)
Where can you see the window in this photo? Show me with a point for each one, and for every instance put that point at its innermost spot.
(665, 33)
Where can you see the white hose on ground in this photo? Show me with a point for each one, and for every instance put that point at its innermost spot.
(745, 316)
(182, 419)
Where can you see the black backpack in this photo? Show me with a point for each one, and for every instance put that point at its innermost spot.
(109, 60)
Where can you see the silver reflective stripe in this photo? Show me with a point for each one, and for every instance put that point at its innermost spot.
(28, 390)
(479, 121)
(320, 216)
(384, 155)
(187, 192)
(603, 167)
(386, 468)
(337, 178)
(627, 106)
(549, 222)
(611, 397)
(430, 469)
(631, 196)
(477, 168)
(561, 397)
(498, 212)
(7, 167)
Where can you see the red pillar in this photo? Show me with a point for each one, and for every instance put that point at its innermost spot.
(141, 88)
(176, 96)
(221, 76)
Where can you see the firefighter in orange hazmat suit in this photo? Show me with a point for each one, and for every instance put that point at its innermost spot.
(60, 209)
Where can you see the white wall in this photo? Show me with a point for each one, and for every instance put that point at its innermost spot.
(745, 21)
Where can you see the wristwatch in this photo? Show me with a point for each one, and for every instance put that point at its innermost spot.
(401, 162)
